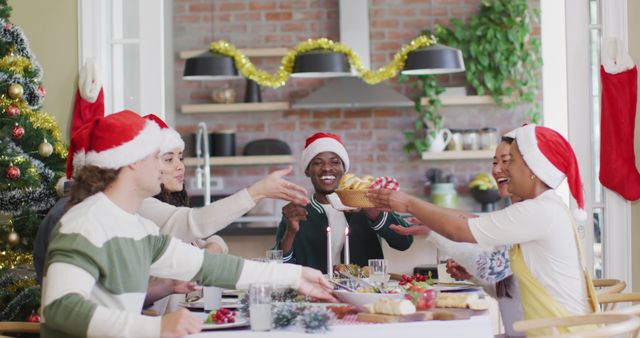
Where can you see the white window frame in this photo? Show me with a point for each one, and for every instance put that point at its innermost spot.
(92, 43)
(617, 215)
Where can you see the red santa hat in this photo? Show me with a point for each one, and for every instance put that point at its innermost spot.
(78, 149)
(121, 139)
(551, 158)
(171, 138)
(321, 142)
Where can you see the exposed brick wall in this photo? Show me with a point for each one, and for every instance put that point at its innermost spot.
(373, 137)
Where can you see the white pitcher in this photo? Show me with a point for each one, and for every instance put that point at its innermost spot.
(439, 142)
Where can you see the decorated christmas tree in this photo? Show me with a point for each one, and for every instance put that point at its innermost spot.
(32, 160)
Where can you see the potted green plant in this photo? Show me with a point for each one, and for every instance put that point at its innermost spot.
(428, 125)
(501, 56)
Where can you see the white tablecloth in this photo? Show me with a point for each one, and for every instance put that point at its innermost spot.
(476, 327)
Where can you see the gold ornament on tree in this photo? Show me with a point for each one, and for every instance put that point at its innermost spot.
(45, 149)
(13, 238)
(15, 91)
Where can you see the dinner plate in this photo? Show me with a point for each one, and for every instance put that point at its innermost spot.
(199, 304)
(240, 322)
(457, 287)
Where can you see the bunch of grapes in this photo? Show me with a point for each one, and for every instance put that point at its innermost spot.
(404, 280)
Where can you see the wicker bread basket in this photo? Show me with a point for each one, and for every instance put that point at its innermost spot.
(354, 198)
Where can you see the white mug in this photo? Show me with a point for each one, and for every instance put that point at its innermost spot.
(439, 141)
(212, 297)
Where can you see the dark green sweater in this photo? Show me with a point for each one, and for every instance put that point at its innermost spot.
(310, 244)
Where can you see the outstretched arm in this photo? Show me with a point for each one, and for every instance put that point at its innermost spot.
(447, 222)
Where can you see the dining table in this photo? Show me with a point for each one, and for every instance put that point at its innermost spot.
(478, 326)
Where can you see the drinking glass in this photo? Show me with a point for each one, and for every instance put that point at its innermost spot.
(274, 256)
(212, 297)
(260, 306)
(378, 271)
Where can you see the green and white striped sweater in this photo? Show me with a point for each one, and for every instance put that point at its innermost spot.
(98, 264)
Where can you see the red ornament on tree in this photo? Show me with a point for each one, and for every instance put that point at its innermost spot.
(8, 25)
(17, 132)
(12, 111)
(13, 172)
(42, 91)
(33, 318)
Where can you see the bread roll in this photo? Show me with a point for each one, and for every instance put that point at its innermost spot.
(390, 306)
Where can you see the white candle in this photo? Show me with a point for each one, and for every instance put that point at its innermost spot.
(346, 246)
(329, 254)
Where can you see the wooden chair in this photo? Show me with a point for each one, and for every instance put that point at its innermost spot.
(609, 325)
(610, 302)
(18, 327)
(608, 286)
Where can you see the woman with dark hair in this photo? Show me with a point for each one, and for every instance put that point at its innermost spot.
(489, 268)
(546, 255)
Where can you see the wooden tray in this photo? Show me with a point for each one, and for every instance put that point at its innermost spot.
(437, 314)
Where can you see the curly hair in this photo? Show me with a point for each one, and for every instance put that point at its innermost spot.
(89, 181)
(175, 198)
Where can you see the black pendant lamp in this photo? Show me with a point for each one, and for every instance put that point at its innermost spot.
(210, 66)
(321, 63)
(434, 59)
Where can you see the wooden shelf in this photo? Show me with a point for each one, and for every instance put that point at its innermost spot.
(458, 155)
(248, 52)
(464, 100)
(218, 108)
(242, 160)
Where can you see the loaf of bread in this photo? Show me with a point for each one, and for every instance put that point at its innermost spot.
(390, 306)
(461, 300)
(350, 181)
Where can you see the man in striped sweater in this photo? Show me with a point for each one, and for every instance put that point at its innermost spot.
(102, 252)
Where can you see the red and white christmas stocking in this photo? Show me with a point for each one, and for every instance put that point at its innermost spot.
(89, 102)
(618, 170)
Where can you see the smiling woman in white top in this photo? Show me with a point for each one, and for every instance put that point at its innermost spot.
(546, 255)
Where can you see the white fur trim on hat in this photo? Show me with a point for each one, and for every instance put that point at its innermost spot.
(170, 140)
(535, 159)
(144, 144)
(79, 159)
(321, 145)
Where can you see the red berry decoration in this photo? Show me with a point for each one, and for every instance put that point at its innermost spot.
(13, 172)
(42, 91)
(17, 132)
(12, 111)
(221, 316)
(33, 318)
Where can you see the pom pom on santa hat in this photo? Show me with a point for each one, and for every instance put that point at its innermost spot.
(323, 142)
(551, 158)
(171, 138)
(120, 139)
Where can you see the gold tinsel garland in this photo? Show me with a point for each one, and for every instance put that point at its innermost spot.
(15, 64)
(39, 120)
(10, 259)
(278, 79)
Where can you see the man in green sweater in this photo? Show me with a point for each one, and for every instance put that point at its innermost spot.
(102, 252)
(302, 235)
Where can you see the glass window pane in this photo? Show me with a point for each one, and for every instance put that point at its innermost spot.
(597, 193)
(598, 249)
(124, 19)
(593, 12)
(125, 65)
(594, 42)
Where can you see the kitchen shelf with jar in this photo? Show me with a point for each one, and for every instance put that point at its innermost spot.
(458, 155)
(219, 108)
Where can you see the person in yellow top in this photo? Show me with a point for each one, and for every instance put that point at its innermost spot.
(546, 256)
